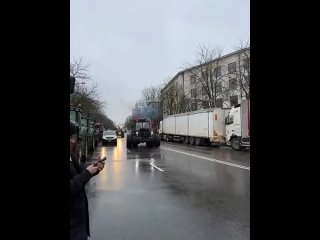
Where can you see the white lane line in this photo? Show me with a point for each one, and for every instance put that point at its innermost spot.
(209, 159)
(156, 167)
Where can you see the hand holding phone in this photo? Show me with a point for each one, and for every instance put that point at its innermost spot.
(101, 160)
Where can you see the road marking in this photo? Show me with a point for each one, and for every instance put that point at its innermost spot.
(209, 159)
(129, 150)
(156, 167)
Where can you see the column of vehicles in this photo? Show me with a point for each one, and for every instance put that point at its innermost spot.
(89, 132)
(216, 126)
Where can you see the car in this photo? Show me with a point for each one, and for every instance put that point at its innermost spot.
(120, 133)
(109, 136)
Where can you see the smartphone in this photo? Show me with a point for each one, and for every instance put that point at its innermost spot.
(102, 159)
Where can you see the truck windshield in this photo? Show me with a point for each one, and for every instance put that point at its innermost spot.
(142, 125)
(73, 116)
(229, 120)
(84, 122)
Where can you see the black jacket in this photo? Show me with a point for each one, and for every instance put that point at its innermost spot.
(79, 215)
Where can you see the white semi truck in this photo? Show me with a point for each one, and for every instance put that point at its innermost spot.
(200, 127)
(217, 126)
(238, 126)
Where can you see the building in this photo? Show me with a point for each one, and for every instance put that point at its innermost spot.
(221, 82)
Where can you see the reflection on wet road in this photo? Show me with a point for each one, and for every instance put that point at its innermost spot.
(191, 198)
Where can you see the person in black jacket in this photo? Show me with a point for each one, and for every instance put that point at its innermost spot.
(79, 176)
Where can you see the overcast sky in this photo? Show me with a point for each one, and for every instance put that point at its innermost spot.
(133, 44)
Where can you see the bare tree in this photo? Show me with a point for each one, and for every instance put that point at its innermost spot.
(80, 70)
(149, 105)
(88, 99)
(174, 100)
(208, 77)
(151, 94)
(129, 123)
(107, 122)
(242, 72)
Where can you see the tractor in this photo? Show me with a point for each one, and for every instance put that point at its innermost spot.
(143, 133)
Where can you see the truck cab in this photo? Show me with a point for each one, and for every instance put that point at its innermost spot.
(238, 126)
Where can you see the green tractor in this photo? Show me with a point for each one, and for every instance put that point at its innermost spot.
(81, 148)
(88, 134)
(143, 133)
(75, 118)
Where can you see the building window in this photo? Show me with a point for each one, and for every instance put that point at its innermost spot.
(192, 79)
(218, 87)
(193, 106)
(193, 92)
(246, 63)
(203, 91)
(233, 84)
(219, 102)
(217, 72)
(204, 74)
(233, 100)
(205, 104)
(231, 67)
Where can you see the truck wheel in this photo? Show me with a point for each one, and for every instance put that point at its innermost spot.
(198, 141)
(191, 140)
(186, 140)
(235, 144)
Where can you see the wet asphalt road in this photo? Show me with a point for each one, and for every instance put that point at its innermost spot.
(187, 193)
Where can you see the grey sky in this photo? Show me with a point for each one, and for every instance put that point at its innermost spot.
(133, 44)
